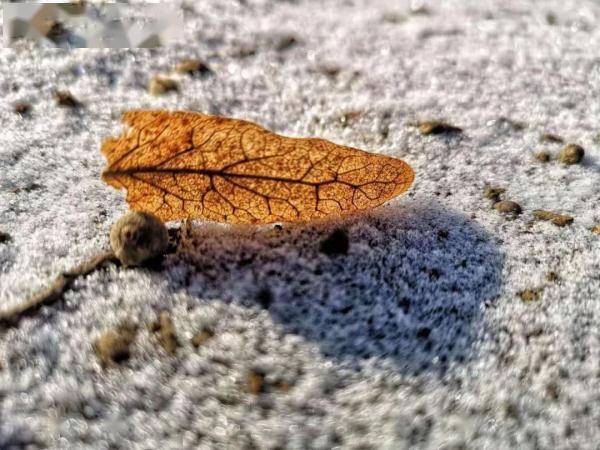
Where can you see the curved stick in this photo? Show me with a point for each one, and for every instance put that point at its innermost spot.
(56, 290)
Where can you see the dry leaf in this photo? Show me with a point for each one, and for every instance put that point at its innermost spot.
(181, 165)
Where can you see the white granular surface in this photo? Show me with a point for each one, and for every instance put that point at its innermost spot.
(418, 336)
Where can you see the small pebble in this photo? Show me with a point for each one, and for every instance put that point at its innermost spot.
(529, 295)
(255, 382)
(202, 337)
(437, 127)
(508, 207)
(543, 156)
(420, 10)
(549, 137)
(348, 117)
(596, 229)
(513, 124)
(22, 108)
(516, 125)
(551, 277)
(285, 43)
(559, 220)
(393, 17)
(336, 243)
(193, 67)
(283, 386)
(243, 50)
(56, 31)
(66, 99)
(4, 237)
(113, 346)
(571, 154)
(493, 193)
(165, 331)
(160, 85)
(174, 239)
(510, 410)
(552, 391)
(329, 69)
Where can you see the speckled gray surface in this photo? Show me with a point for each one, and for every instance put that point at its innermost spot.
(417, 337)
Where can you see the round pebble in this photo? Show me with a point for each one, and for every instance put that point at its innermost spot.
(571, 154)
(508, 207)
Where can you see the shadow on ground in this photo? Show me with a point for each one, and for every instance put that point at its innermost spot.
(411, 289)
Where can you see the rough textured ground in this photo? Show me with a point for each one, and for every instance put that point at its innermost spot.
(418, 336)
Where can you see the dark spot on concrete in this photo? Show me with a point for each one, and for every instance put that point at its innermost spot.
(404, 303)
(551, 277)
(346, 309)
(393, 17)
(510, 123)
(246, 259)
(264, 298)
(511, 411)
(174, 240)
(113, 346)
(330, 70)
(442, 234)
(286, 42)
(243, 50)
(438, 127)
(552, 391)
(336, 243)
(255, 382)
(423, 332)
(420, 10)
(165, 332)
(433, 272)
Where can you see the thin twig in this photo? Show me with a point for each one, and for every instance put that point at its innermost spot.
(56, 290)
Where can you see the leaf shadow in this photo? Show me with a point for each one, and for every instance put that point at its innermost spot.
(412, 289)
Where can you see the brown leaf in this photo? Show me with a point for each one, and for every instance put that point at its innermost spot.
(181, 165)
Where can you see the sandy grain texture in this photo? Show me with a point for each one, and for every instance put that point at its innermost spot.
(415, 336)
